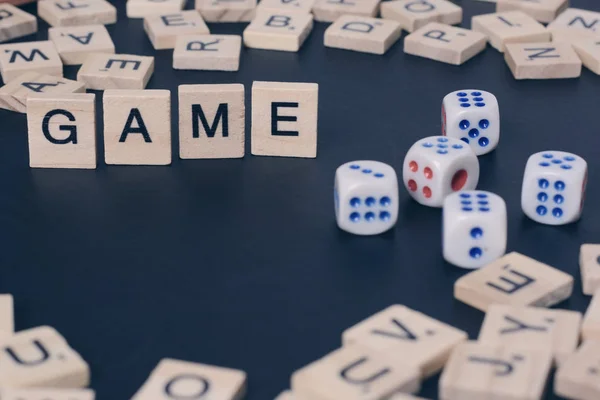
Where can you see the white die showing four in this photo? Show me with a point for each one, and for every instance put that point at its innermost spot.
(366, 197)
(472, 116)
(554, 187)
(437, 166)
(474, 228)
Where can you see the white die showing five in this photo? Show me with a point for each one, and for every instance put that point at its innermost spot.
(437, 166)
(366, 197)
(554, 187)
(474, 228)
(472, 116)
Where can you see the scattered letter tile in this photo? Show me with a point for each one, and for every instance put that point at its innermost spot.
(19, 58)
(145, 8)
(364, 34)
(355, 373)
(542, 60)
(77, 12)
(227, 10)
(574, 24)
(285, 6)
(590, 329)
(415, 14)
(577, 378)
(514, 280)
(589, 262)
(208, 52)
(163, 30)
(280, 31)
(445, 43)
(47, 394)
(75, 44)
(589, 53)
(330, 10)
(173, 379)
(422, 340)
(15, 23)
(542, 10)
(284, 119)
(510, 27)
(116, 71)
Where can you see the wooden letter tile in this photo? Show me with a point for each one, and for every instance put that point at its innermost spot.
(41, 357)
(173, 379)
(578, 377)
(422, 340)
(532, 328)
(330, 10)
(403, 396)
(542, 60)
(47, 394)
(542, 10)
(77, 12)
(510, 27)
(574, 24)
(588, 51)
(280, 31)
(75, 44)
(364, 34)
(118, 71)
(145, 8)
(445, 43)
(62, 130)
(415, 14)
(590, 330)
(15, 23)
(483, 371)
(286, 6)
(137, 127)
(208, 52)
(7, 319)
(227, 10)
(355, 373)
(19, 58)
(13, 96)
(163, 30)
(515, 280)
(589, 263)
(211, 121)
(284, 119)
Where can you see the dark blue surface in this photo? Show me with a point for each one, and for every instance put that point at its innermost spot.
(239, 263)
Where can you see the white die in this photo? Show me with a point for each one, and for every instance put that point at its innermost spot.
(437, 166)
(474, 228)
(553, 190)
(366, 197)
(472, 116)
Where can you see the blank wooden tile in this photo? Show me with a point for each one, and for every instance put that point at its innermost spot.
(483, 371)
(77, 12)
(227, 10)
(330, 10)
(542, 60)
(62, 130)
(590, 330)
(173, 379)
(76, 43)
(278, 31)
(413, 15)
(47, 394)
(510, 27)
(577, 378)
(588, 51)
(145, 8)
(284, 119)
(364, 34)
(574, 24)
(515, 280)
(118, 71)
(211, 121)
(275, 6)
(589, 264)
(137, 127)
(7, 319)
(19, 58)
(423, 341)
(445, 43)
(163, 30)
(13, 95)
(532, 328)
(41, 357)
(542, 10)
(355, 373)
(15, 23)
(208, 52)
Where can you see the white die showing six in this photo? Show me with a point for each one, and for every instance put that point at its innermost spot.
(553, 190)
(366, 197)
(474, 228)
(472, 116)
(437, 166)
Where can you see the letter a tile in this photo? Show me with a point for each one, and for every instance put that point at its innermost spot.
(422, 340)
(355, 373)
(579, 376)
(514, 280)
(481, 371)
(75, 44)
(542, 60)
(173, 379)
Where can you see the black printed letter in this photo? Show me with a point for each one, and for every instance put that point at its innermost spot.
(72, 129)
